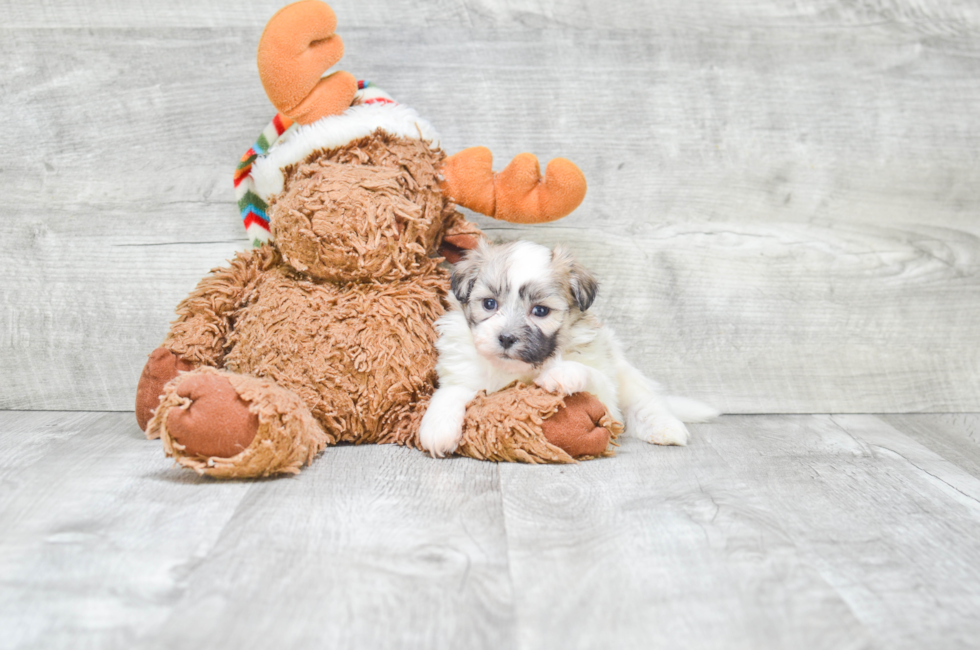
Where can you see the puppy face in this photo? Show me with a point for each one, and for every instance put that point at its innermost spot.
(519, 299)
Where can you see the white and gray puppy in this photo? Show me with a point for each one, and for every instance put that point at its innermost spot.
(519, 311)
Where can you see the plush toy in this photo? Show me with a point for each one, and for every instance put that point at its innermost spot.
(323, 332)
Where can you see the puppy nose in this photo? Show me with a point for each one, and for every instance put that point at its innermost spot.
(507, 340)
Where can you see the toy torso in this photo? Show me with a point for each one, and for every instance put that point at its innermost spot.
(360, 355)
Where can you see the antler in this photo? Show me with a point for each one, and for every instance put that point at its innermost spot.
(296, 48)
(517, 194)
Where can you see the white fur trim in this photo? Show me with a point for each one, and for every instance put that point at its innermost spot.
(335, 131)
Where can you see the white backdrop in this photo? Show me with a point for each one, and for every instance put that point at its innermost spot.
(783, 197)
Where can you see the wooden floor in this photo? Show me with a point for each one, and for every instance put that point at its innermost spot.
(794, 531)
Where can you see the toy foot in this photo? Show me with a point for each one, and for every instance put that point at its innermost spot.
(576, 427)
(162, 366)
(214, 421)
(228, 425)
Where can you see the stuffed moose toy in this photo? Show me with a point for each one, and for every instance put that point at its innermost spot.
(323, 332)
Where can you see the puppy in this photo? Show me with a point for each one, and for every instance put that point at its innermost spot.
(519, 311)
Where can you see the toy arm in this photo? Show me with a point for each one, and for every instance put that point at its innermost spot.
(200, 333)
(205, 317)
(518, 193)
(527, 424)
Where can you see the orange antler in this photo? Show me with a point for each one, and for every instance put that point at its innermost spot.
(296, 48)
(517, 194)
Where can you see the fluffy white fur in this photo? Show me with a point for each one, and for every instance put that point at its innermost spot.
(588, 357)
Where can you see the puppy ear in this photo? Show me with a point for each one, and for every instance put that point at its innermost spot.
(584, 286)
(465, 272)
(463, 278)
(581, 283)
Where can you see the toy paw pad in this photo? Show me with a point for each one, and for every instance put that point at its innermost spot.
(162, 366)
(214, 421)
(575, 428)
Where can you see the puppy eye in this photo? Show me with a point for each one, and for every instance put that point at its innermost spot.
(540, 311)
(489, 304)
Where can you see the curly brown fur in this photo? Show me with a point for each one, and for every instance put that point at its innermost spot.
(204, 318)
(506, 426)
(359, 355)
(373, 206)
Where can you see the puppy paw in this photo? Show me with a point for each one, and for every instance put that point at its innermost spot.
(564, 378)
(440, 434)
(657, 428)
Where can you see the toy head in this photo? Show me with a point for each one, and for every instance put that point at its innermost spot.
(376, 217)
(351, 185)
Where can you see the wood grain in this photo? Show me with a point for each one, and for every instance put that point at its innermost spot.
(663, 548)
(755, 318)
(941, 542)
(372, 547)
(949, 18)
(103, 543)
(765, 532)
(782, 202)
(99, 533)
(954, 436)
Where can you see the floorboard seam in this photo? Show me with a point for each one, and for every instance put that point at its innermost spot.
(510, 565)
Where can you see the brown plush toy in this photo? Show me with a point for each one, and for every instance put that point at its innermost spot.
(324, 332)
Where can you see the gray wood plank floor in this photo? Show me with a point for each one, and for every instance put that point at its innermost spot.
(766, 532)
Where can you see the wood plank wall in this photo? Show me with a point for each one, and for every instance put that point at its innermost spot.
(784, 202)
